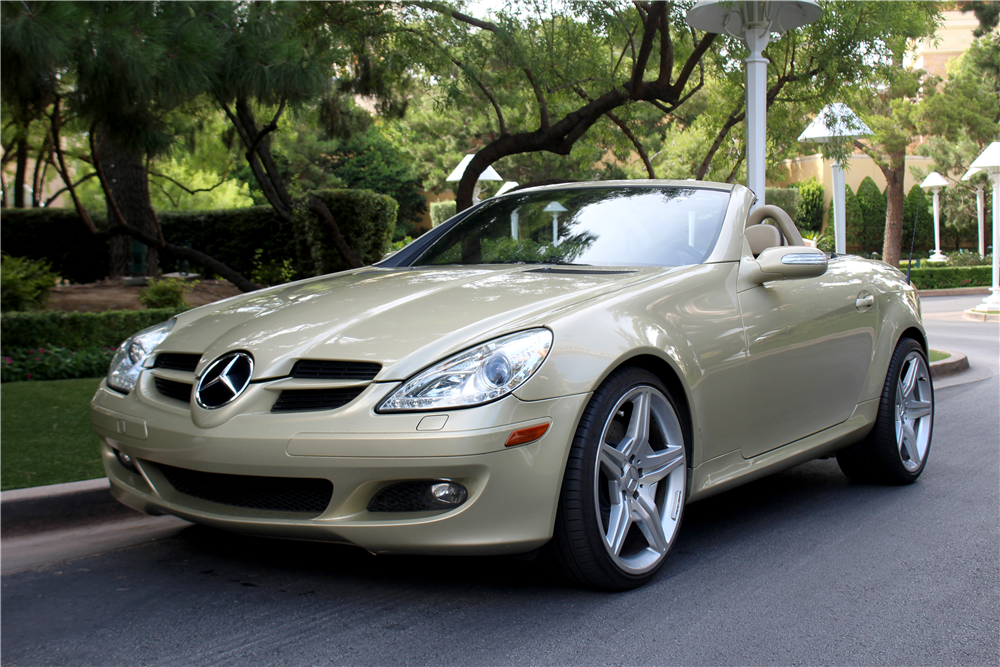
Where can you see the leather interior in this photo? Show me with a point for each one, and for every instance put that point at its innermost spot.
(762, 237)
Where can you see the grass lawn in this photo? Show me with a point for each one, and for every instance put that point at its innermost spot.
(46, 434)
(938, 356)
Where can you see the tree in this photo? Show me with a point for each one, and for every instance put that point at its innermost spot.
(917, 212)
(574, 72)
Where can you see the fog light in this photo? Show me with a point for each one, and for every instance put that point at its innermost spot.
(126, 461)
(447, 494)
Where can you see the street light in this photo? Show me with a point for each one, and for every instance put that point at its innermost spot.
(980, 209)
(935, 182)
(989, 162)
(837, 124)
(489, 174)
(555, 208)
(753, 23)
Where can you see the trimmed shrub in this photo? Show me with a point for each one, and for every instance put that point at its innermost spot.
(918, 205)
(951, 276)
(365, 218)
(968, 259)
(869, 234)
(53, 363)
(787, 199)
(442, 210)
(168, 293)
(25, 283)
(811, 209)
(77, 330)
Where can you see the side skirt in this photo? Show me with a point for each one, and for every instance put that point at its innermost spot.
(730, 470)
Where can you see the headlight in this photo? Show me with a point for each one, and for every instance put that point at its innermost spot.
(473, 377)
(127, 364)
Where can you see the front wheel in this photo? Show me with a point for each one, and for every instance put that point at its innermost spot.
(895, 452)
(624, 489)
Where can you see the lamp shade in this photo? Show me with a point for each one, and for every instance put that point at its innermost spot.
(835, 121)
(734, 18)
(989, 159)
(934, 180)
(489, 174)
(972, 172)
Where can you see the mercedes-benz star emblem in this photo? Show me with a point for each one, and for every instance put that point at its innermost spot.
(226, 378)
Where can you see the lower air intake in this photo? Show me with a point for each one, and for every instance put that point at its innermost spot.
(307, 496)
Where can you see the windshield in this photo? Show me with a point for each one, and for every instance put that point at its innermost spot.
(601, 226)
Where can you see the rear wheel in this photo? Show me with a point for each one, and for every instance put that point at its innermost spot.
(625, 485)
(895, 452)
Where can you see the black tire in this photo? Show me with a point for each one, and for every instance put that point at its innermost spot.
(896, 449)
(604, 544)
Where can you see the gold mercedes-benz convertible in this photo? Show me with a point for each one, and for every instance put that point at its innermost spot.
(560, 368)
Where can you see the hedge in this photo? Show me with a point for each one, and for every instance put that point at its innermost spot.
(234, 236)
(951, 277)
(77, 330)
(365, 218)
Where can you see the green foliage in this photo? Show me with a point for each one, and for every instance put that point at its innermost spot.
(366, 219)
(76, 330)
(53, 363)
(273, 272)
(396, 246)
(968, 259)
(25, 283)
(951, 277)
(812, 208)
(59, 237)
(47, 434)
(917, 207)
(166, 293)
(787, 199)
(869, 234)
(442, 210)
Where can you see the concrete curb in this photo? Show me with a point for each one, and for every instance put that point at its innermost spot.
(953, 365)
(954, 291)
(46, 507)
(976, 316)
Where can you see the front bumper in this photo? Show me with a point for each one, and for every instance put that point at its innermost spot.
(513, 491)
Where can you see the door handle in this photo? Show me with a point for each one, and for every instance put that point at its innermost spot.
(865, 302)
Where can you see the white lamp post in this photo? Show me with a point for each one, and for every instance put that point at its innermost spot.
(489, 174)
(753, 23)
(836, 123)
(935, 182)
(989, 161)
(555, 208)
(980, 210)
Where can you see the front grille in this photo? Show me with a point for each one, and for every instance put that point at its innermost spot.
(301, 400)
(582, 272)
(308, 496)
(173, 389)
(402, 497)
(176, 361)
(334, 370)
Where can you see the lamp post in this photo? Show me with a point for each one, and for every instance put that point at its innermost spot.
(935, 182)
(980, 209)
(836, 124)
(555, 208)
(752, 23)
(489, 174)
(989, 161)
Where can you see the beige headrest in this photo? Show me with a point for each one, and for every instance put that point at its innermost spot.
(762, 237)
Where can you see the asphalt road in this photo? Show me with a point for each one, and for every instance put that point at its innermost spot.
(802, 567)
(947, 329)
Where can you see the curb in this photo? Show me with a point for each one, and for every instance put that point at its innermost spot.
(953, 365)
(976, 316)
(46, 507)
(954, 291)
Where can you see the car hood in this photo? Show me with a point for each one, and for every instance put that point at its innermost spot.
(403, 319)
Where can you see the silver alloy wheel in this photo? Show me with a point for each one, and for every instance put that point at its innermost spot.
(640, 479)
(914, 411)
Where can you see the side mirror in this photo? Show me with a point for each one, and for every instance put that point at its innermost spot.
(785, 263)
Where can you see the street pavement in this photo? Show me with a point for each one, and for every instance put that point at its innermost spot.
(801, 567)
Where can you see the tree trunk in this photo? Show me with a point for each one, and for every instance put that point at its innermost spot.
(895, 196)
(21, 174)
(129, 184)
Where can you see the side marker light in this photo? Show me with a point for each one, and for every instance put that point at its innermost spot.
(523, 435)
